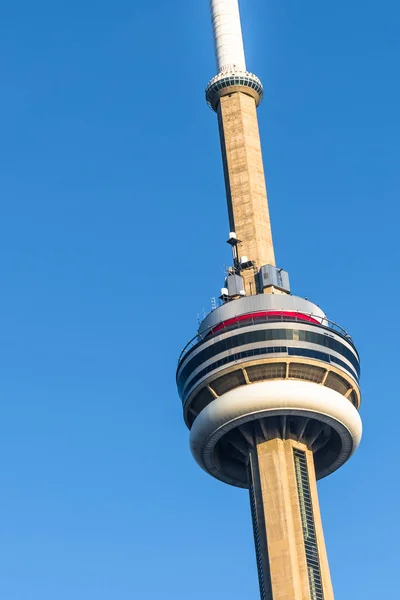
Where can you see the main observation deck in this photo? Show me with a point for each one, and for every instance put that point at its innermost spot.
(241, 344)
(263, 338)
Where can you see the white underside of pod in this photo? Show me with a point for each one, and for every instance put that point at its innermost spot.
(271, 398)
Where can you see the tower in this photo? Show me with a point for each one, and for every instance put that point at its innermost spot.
(269, 385)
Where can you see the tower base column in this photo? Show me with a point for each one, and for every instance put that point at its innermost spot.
(290, 548)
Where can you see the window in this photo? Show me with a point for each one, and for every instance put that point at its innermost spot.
(264, 582)
(266, 335)
(308, 525)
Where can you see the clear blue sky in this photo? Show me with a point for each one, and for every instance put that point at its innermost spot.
(112, 241)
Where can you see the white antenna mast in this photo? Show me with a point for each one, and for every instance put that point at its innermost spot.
(228, 38)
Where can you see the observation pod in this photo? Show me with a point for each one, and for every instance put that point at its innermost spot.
(265, 367)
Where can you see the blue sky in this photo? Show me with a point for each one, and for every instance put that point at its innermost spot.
(112, 242)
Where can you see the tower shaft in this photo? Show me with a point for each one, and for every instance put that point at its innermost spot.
(234, 94)
(291, 554)
(269, 386)
(245, 183)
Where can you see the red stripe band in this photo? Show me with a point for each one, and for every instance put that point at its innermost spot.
(275, 313)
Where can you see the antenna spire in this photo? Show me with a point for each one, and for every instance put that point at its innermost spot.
(228, 39)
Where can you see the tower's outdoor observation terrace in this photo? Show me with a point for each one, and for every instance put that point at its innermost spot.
(233, 81)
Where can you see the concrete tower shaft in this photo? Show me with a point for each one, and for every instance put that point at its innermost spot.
(291, 555)
(245, 186)
(234, 94)
(269, 385)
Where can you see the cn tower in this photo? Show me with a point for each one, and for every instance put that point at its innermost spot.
(269, 385)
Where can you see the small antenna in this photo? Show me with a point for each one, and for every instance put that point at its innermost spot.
(233, 242)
